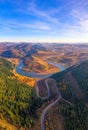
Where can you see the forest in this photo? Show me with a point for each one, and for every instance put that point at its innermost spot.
(81, 75)
(75, 116)
(16, 99)
(19, 104)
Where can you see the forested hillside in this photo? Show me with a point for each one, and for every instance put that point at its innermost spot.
(75, 116)
(16, 99)
(81, 75)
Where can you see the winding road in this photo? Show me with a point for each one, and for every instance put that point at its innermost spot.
(45, 111)
(46, 97)
(50, 105)
(37, 90)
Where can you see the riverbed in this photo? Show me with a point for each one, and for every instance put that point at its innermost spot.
(19, 70)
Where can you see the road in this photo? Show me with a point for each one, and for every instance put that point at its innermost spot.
(45, 111)
(52, 104)
(47, 86)
(49, 106)
(37, 90)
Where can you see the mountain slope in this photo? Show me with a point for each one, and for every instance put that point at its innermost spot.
(16, 99)
(72, 81)
(80, 73)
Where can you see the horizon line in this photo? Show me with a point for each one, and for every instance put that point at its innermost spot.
(44, 42)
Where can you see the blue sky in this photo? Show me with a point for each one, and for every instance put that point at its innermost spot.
(44, 20)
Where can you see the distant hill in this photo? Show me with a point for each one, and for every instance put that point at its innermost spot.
(19, 50)
(16, 50)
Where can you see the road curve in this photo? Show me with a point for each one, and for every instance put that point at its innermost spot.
(48, 88)
(45, 111)
(52, 104)
(37, 91)
(49, 106)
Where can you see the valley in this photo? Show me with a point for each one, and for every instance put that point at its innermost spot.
(36, 57)
(39, 82)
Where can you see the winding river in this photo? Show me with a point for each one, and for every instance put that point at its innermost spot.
(19, 70)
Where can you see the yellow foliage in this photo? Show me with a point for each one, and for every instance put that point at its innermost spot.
(47, 67)
(24, 79)
(5, 125)
(13, 60)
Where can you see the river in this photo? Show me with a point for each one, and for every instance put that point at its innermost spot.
(19, 70)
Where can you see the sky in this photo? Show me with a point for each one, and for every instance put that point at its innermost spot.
(44, 21)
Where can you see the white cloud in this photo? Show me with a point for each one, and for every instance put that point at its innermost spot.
(69, 21)
(81, 20)
(44, 15)
(13, 25)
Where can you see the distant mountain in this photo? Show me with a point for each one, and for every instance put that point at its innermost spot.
(15, 50)
(19, 50)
